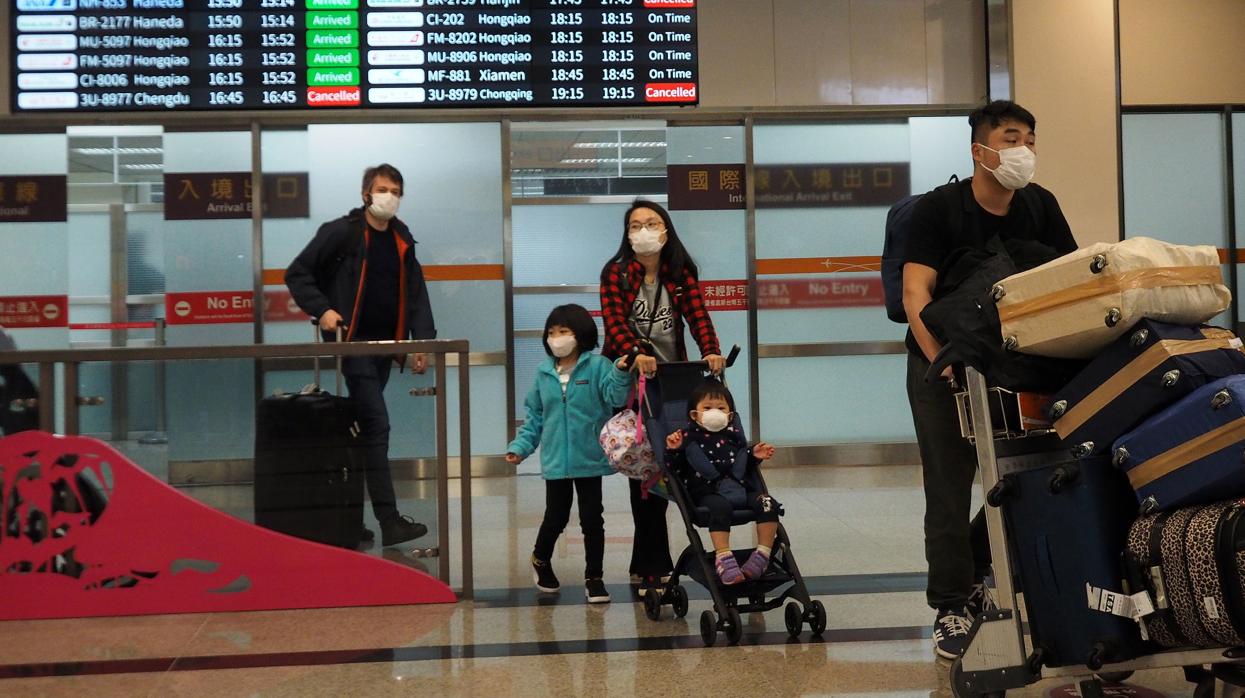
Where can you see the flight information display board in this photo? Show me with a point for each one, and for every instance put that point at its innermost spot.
(128, 55)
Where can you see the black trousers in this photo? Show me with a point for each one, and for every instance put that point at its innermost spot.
(721, 511)
(366, 377)
(957, 550)
(559, 494)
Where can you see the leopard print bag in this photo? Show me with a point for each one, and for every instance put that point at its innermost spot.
(1190, 562)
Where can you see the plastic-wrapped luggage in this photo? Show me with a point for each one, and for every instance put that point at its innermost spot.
(1147, 369)
(1192, 563)
(1076, 305)
(1191, 453)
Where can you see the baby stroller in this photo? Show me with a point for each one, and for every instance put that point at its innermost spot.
(782, 582)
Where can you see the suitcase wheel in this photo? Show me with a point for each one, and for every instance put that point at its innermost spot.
(1082, 450)
(1000, 492)
(1057, 410)
(1140, 337)
(1171, 378)
(1062, 477)
(1011, 343)
(1149, 505)
(1221, 399)
(1113, 317)
(997, 292)
(1098, 264)
(1121, 457)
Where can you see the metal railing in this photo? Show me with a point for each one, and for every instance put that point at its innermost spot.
(441, 352)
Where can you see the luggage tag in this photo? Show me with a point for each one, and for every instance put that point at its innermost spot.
(1134, 606)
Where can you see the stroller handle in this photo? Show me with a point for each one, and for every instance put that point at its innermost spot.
(730, 361)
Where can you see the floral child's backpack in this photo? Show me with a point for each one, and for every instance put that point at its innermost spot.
(625, 444)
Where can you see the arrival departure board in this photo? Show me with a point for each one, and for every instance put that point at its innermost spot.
(206, 55)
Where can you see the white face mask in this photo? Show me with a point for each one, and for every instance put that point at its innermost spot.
(645, 241)
(562, 345)
(1016, 166)
(384, 205)
(714, 420)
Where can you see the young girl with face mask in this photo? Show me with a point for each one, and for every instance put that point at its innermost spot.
(719, 458)
(574, 393)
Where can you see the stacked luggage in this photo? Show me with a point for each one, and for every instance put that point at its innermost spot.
(1128, 524)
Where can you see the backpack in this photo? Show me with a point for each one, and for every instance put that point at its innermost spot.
(898, 221)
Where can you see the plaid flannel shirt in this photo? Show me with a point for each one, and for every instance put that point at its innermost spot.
(619, 287)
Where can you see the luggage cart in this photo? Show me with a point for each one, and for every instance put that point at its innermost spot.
(996, 660)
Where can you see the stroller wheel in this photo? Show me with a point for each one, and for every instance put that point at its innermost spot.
(652, 606)
(708, 628)
(680, 601)
(795, 619)
(817, 623)
(735, 626)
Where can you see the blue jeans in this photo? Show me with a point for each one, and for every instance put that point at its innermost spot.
(366, 377)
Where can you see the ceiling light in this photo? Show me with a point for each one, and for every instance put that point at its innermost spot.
(634, 144)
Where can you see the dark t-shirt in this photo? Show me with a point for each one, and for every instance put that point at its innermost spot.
(379, 309)
(931, 240)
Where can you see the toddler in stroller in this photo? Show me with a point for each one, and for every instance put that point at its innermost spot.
(713, 476)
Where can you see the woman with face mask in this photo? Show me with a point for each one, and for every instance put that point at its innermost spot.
(650, 290)
(575, 392)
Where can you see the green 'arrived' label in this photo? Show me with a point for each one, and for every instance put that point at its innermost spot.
(333, 58)
(321, 77)
(332, 4)
(333, 38)
(332, 20)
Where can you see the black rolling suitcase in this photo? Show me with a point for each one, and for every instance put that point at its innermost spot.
(1068, 521)
(309, 468)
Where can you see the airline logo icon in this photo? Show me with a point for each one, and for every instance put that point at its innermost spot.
(47, 23)
(670, 92)
(47, 61)
(334, 96)
(413, 56)
(47, 81)
(47, 42)
(47, 100)
(395, 76)
(396, 95)
(385, 20)
(46, 5)
(383, 38)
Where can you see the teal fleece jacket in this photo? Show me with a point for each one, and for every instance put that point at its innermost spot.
(567, 427)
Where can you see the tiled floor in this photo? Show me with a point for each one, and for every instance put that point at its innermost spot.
(856, 533)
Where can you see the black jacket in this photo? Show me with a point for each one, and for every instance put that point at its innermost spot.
(328, 275)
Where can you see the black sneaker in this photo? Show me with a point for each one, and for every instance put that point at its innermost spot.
(980, 599)
(596, 592)
(951, 632)
(542, 574)
(367, 535)
(399, 529)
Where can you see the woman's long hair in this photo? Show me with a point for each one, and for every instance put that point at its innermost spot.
(674, 257)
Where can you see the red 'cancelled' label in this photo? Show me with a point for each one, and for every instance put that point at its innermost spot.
(670, 92)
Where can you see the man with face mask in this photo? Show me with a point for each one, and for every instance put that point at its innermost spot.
(999, 200)
(359, 273)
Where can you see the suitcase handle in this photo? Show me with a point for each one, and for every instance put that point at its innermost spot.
(315, 324)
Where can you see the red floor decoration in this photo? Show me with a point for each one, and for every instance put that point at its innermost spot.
(86, 532)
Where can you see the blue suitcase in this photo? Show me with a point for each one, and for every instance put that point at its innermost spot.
(1152, 366)
(1068, 521)
(1190, 453)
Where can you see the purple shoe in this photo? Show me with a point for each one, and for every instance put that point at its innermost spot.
(756, 565)
(728, 570)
